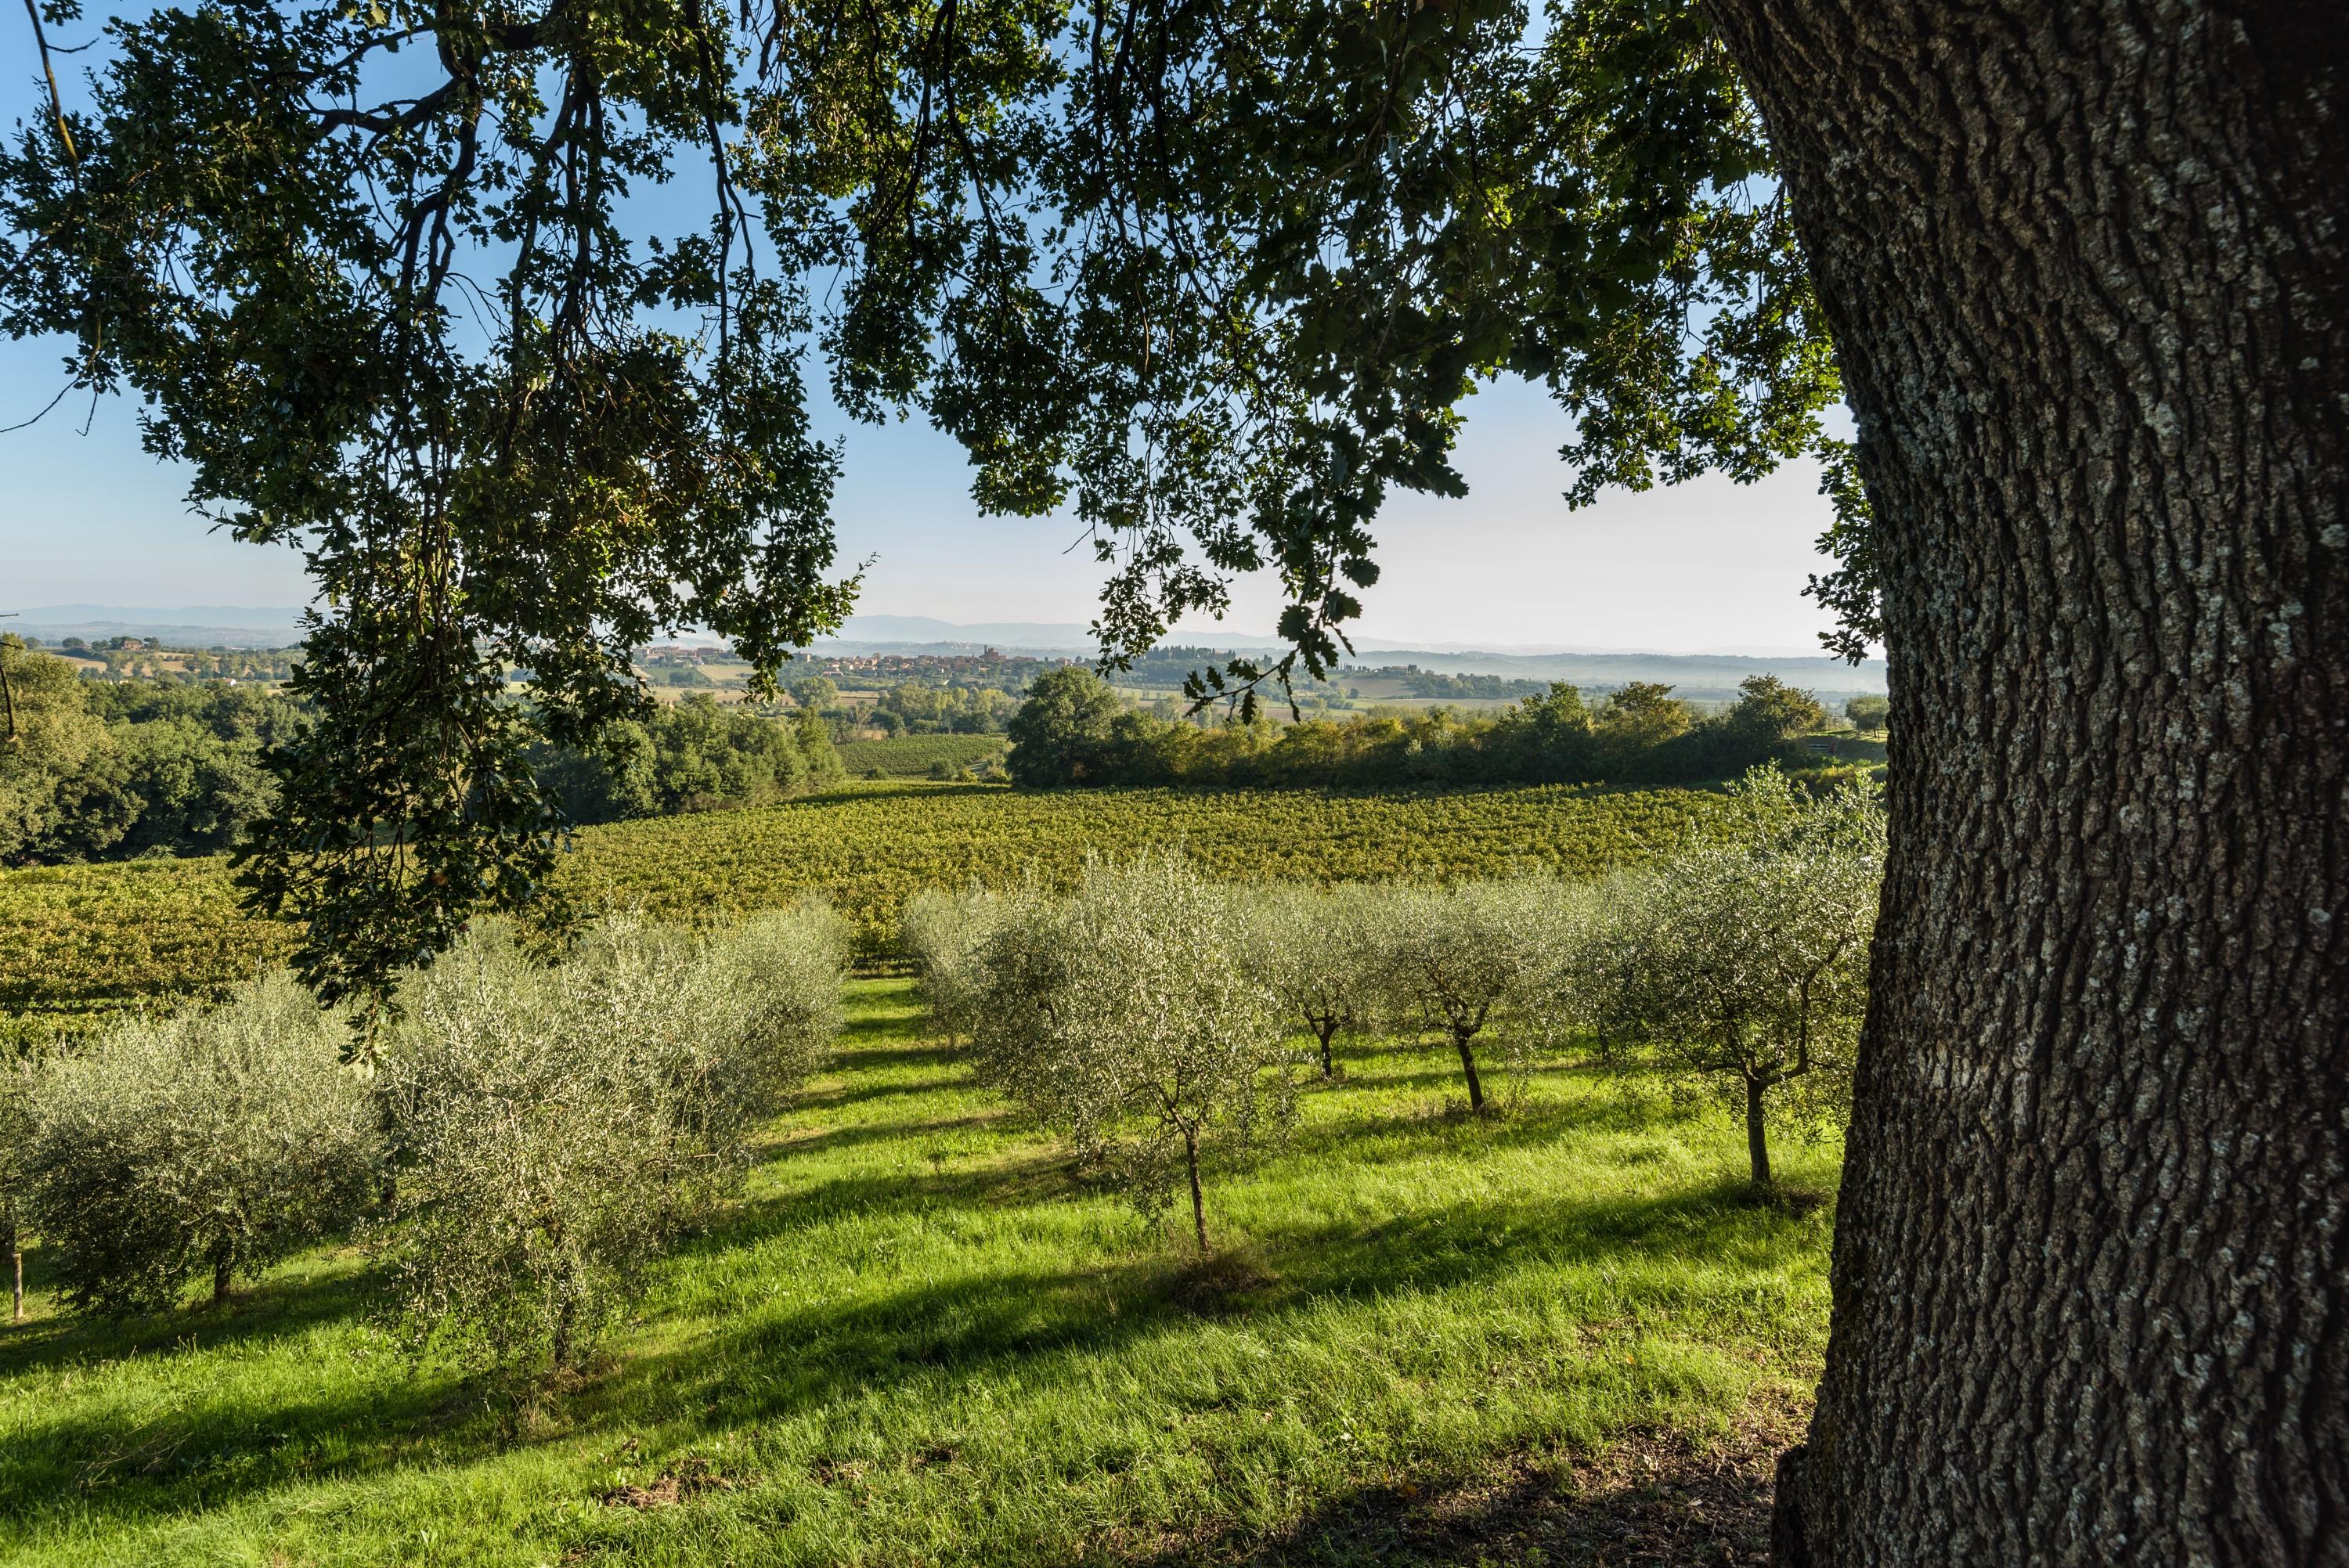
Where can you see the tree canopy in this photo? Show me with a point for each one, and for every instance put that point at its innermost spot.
(1211, 278)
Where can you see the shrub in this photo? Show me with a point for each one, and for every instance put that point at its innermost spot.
(946, 935)
(1127, 1017)
(556, 1127)
(1318, 954)
(212, 1143)
(15, 1091)
(1743, 966)
(1459, 960)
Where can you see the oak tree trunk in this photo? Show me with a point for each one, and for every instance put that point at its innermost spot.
(2085, 268)
(1757, 1139)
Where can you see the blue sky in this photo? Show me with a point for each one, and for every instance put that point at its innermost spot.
(1705, 566)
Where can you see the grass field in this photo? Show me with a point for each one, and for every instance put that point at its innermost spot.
(1563, 1335)
(81, 940)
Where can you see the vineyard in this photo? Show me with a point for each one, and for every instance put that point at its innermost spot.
(83, 940)
(913, 756)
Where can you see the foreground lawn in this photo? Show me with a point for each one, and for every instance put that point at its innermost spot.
(1567, 1335)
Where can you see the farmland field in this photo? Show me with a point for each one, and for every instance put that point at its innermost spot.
(912, 756)
(90, 939)
(1565, 1335)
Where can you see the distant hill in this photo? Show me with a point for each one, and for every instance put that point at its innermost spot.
(1712, 676)
(203, 625)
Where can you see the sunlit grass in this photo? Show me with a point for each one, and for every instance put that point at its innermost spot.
(921, 1337)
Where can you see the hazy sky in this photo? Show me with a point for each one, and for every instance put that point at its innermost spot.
(1711, 565)
(94, 519)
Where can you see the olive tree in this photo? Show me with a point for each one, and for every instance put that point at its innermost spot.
(15, 1085)
(1316, 951)
(945, 934)
(1744, 965)
(556, 1126)
(1127, 1017)
(208, 1144)
(1457, 960)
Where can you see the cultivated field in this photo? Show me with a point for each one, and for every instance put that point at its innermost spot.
(913, 755)
(83, 940)
(1565, 1334)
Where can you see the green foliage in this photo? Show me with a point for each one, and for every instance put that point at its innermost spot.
(1216, 281)
(1743, 964)
(1461, 960)
(920, 708)
(1641, 735)
(97, 939)
(17, 1077)
(163, 768)
(47, 737)
(1125, 1017)
(921, 1339)
(695, 755)
(554, 1128)
(1318, 954)
(947, 934)
(1062, 732)
(916, 756)
(206, 1145)
(1867, 713)
(86, 942)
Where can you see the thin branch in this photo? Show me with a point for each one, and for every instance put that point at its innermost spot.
(57, 99)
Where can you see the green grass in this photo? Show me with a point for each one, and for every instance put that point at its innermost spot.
(920, 1338)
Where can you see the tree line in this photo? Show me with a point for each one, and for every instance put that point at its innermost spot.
(1149, 1014)
(696, 753)
(1074, 729)
(108, 770)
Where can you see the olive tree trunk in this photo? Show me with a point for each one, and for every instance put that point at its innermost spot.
(1198, 1198)
(2086, 267)
(1468, 1065)
(1757, 1135)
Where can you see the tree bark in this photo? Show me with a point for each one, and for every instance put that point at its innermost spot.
(1468, 1065)
(220, 1274)
(2084, 265)
(1198, 1198)
(1757, 1139)
(1329, 1062)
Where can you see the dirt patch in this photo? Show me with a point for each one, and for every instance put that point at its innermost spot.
(1220, 1282)
(687, 1479)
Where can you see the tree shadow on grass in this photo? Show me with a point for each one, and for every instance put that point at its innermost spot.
(798, 1143)
(181, 1443)
(1649, 1501)
(273, 1308)
(844, 1096)
(785, 1363)
(196, 1446)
